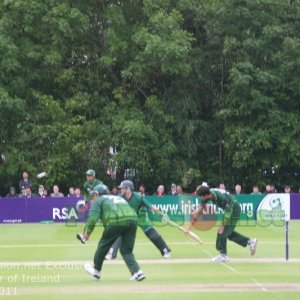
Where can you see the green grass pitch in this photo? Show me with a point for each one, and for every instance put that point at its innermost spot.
(45, 261)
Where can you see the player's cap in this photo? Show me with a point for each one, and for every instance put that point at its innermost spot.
(173, 185)
(90, 172)
(101, 189)
(126, 184)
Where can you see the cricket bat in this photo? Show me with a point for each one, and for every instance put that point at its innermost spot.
(189, 233)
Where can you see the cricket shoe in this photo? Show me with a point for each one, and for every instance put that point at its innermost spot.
(252, 244)
(81, 238)
(92, 271)
(138, 276)
(221, 258)
(167, 254)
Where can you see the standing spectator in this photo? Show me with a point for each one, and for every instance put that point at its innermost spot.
(160, 190)
(255, 190)
(12, 192)
(90, 183)
(287, 189)
(71, 192)
(77, 192)
(56, 192)
(238, 189)
(25, 182)
(41, 192)
(173, 190)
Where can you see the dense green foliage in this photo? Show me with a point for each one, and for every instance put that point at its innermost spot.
(182, 90)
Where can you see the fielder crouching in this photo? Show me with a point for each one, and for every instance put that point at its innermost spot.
(118, 219)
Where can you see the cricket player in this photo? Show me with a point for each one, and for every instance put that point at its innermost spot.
(232, 211)
(90, 183)
(119, 219)
(140, 205)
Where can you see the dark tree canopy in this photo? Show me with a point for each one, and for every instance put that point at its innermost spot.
(154, 90)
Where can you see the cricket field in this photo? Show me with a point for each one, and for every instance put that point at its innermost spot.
(45, 261)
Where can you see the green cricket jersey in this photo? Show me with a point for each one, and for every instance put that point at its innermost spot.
(140, 205)
(221, 198)
(111, 210)
(88, 187)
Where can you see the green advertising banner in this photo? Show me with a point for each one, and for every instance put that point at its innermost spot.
(179, 207)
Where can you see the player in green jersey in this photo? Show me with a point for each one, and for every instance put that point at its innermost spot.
(90, 183)
(232, 211)
(119, 219)
(140, 205)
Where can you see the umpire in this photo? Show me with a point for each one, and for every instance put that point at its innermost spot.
(118, 219)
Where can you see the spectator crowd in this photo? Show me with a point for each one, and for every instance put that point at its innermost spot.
(25, 190)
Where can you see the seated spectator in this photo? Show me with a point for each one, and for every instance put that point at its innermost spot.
(23, 193)
(78, 192)
(41, 192)
(255, 190)
(179, 190)
(173, 190)
(287, 189)
(273, 189)
(71, 192)
(25, 182)
(56, 192)
(29, 193)
(160, 190)
(45, 193)
(114, 191)
(238, 189)
(142, 190)
(12, 192)
(26, 193)
(267, 189)
(222, 186)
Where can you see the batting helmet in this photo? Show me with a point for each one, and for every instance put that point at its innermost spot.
(101, 189)
(126, 184)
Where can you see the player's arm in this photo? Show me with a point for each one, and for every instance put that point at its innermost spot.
(90, 223)
(93, 218)
(196, 214)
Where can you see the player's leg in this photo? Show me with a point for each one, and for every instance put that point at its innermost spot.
(126, 249)
(108, 237)
(113, 251)
(110, 234)
(223, 234)
(238, 238)
(235, 236)
(158, 241)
